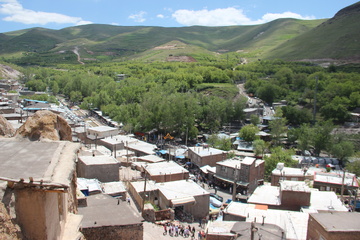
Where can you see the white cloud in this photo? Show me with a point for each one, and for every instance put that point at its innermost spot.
(16, 13)
(272, 16)
(160, 16)
(138, 17)
(226, 17)
(115, 24)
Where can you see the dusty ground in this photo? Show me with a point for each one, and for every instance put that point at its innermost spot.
(180, 59)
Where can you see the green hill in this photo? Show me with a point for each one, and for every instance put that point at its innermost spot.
(283, 38)
(336, 38)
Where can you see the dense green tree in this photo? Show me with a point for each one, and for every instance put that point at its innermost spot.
(336, 109)
(248, 132)
(75, 96)
(304, 138)
(278, 127)
(341, 148)
(278, 155)
(354, 167)
(36, 85)
(260, 147)
(55, 88)
(321, 136)
(219, 143)
(254, 119)
(296, 116)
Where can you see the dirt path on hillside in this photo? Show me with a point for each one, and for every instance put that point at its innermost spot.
(76, 51)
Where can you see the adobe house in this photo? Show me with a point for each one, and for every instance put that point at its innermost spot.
(286, 220)
(102, 167)
(296, 196)
(287, 173)
(42, 178)
(334, 226)
(333, 181)
(106, 217)
(248, 173)
(205, 155)
(95, 133)
(181, 196)
(184, 196)
(291, 195)
(165, 171)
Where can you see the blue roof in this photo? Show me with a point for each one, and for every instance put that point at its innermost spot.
(32, 100)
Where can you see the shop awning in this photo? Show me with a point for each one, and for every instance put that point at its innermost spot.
(182, 201)
(243, 184)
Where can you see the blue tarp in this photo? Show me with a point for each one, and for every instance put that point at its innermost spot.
(180, 157)
(162, 151)
(32, 100)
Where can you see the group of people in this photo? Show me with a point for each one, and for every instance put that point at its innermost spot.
(181, 230)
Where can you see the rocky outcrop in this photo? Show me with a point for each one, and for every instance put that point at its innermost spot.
(8, 230)
(45, 125)
(6, 129)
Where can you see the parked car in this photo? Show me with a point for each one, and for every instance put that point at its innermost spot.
(217, 197)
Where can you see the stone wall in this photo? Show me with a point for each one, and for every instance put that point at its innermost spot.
(133, 232)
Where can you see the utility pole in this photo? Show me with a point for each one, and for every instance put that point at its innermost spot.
(234, 184)
(142, 209)
(342, 186)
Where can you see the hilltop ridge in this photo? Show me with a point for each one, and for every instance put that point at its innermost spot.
(288, 39)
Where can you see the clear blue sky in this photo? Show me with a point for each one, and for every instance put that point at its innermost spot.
(57, 14)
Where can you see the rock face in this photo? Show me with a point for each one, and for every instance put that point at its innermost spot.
(45, 125)
(6, 129)
(8, 230)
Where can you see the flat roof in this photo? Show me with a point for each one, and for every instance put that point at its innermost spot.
(294, 223)
(143, 147)
(113, 187)
(150, 158)
(103, 129)
(237, 162)
(336, 178)
(51, 162)
(265, 194)
(181, 189)
(287, 171)
(206, 151)
(139, 186)
(162, 168)
(221, 228)
(232, 163)
(98, 160)
(325, 201)
(296, 186)
(103, 210)
(338, 221)
(124, 139)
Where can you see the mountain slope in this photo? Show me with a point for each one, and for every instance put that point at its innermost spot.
(338, 38)
(288, 39)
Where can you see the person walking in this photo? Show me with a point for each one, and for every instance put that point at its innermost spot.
(165, 230)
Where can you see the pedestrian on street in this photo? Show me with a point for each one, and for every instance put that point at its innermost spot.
(128, 200)
(165, 230)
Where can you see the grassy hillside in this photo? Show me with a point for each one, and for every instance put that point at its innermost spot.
(282, 38)
(336, 38)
